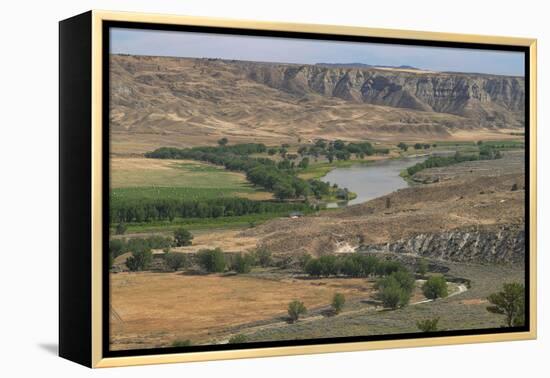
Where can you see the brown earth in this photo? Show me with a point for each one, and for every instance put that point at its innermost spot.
(154, 309)
(180, 102)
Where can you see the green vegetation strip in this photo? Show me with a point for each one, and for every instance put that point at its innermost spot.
(195, 224)
(485, 153)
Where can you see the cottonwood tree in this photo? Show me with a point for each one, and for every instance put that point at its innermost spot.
(140, 260)
(509, 302)
(212, 260)
(435, 287)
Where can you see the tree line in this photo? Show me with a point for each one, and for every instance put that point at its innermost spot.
(356, 265)
(146, 210)
(340, 150)
(485, 153)
(279, 178)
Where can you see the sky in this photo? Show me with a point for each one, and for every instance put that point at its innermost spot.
(303, 51)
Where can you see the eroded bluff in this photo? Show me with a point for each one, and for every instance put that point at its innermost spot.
(504, 244)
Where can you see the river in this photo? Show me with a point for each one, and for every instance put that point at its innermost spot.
(372, 180)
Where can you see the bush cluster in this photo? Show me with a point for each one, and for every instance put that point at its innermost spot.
(356, 265)
(395, 290)
(119, 246)
(212, 260)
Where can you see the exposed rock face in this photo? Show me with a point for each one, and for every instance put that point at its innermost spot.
(482, 245)
(489, 99)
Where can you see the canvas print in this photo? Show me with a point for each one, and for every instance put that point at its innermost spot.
(268, 189)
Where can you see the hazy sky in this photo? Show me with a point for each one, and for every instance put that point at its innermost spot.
(288, 50)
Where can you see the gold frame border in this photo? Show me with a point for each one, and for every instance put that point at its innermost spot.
(97, 359)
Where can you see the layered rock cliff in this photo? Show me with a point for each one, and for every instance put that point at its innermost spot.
(489, 99)
(504, 244)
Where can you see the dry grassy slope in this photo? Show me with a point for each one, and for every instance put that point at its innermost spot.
(159, 101)
(465, 203)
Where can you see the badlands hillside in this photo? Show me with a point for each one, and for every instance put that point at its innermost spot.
(161, 101)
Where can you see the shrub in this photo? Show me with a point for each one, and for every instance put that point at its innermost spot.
(223, 141)
(181, 343)
(427, 325)
(140, 259)
(304, 163)
(238, 339)
(509, 302)
(212, 260)
(263, 257)
(174, 260)
(435, 287)
(242, 263)
(117, 247)
(157, 242)
(295, 310)
(422, 267)
(120, 229)
(182, 237)
(338, 302)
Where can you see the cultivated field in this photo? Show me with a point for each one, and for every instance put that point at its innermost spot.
(136, 178)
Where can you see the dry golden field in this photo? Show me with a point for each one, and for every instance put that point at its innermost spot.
(154, 309)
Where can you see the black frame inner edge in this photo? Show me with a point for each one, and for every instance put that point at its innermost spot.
(106, 25)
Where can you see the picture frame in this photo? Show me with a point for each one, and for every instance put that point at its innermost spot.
(84, 119)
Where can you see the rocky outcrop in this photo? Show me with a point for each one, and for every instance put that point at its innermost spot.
(489, 99)
(504, 244)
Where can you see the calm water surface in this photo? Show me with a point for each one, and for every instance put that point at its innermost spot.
(369, 181)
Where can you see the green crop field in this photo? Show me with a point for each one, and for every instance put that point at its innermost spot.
(135, 178)
(176, 193)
